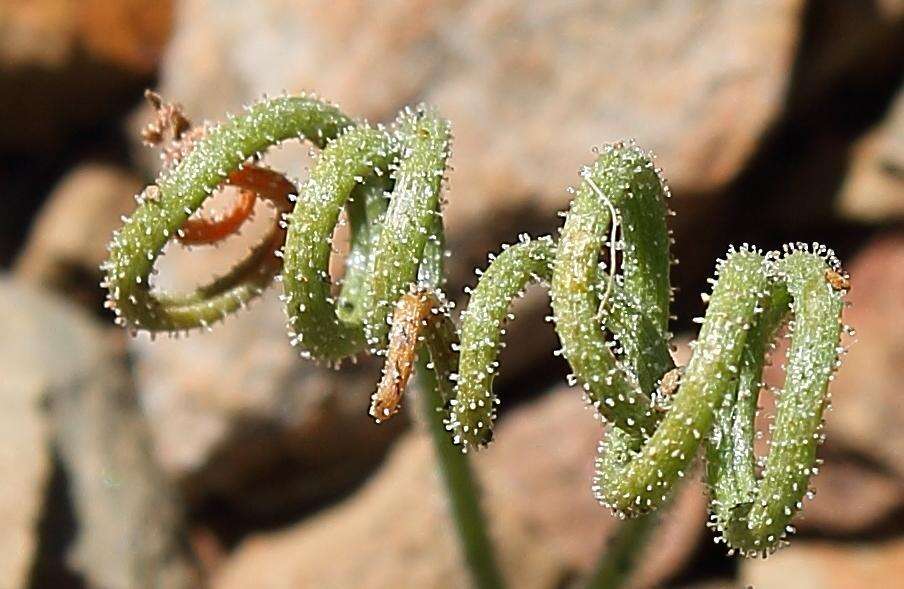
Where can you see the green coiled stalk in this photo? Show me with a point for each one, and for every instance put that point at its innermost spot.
(179, 192)
(614, 335)
(387, 180)
(612, 319)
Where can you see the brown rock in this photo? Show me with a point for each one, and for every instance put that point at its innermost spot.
(822, 565)
(64, 63)
(721, 583)
(529, 87)
(845, 38)
(851, 497)
(25, 459)
(49, 33)
(536, 479)
(238, 416)
(66, 390)
(68, 240)
(867, 407)
(874, 188)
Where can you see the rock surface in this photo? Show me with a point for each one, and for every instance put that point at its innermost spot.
(529, 86)
(68, 401)
(536, 479)
(68, 240)
(821, 565)
(852, 496)
(25, 457)
(871, 33)
(238, 417)
(867, 407)
(65, 63)
(51, 33)
(874, 189)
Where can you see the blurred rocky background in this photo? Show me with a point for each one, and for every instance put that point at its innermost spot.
(223, 460)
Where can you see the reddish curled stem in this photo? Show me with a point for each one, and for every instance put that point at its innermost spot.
(254, 182)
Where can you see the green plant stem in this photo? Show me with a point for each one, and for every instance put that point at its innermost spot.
(461, 488)
(611, 316)
(616, 564)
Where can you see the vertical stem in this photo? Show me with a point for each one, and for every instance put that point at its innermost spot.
(461, 488)
(618, 561)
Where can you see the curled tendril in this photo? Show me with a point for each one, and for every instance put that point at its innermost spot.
(613, 325)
